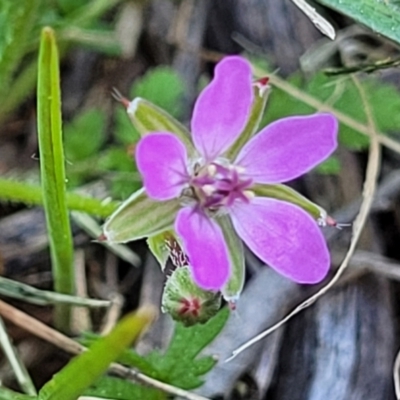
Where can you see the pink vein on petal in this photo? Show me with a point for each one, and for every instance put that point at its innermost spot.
(289, 147)
(161, 159)
(204, 243)
(283, 236)
(222, 109)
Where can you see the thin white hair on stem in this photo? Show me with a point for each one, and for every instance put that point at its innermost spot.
(369, 189)
(317, 19)
(116, 94)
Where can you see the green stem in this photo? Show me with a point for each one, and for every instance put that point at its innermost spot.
(32, 195)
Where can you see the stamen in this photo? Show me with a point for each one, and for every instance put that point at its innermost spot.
(249, 194)
(239, 169)
(208, 190)
(212, 170)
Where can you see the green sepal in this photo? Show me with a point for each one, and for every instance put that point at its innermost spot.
(285, 193)
(147, 117)
(180, 290)
(139, 217)
(233, 288)
(158, 247)
(251, 128)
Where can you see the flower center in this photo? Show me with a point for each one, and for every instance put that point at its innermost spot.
(215, 185)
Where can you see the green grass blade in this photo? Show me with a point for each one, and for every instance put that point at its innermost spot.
(87, 368)
(7, 394)
(31, 194)
(30, 294)
(53, 173)
(17, 365)
(17, 23)
(381, 16)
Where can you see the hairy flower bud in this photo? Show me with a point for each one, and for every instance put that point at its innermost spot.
(186, 302)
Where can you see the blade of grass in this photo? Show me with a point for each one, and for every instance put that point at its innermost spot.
(7, 394)
(31, 194)
(16, 363)
(53, 173)
(43, 331)
(30, 294)
(21, 19)
(85, 369)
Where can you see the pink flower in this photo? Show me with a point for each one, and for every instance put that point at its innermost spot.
(281, 234)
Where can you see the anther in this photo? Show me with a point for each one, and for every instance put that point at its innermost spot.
(249, 194)
(208, 189)
(212, 170)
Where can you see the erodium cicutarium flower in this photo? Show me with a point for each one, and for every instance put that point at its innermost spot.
(209, 183)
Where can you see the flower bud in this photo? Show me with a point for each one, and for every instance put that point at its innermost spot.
(186, 302)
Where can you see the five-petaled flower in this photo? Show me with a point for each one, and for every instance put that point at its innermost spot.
(210, 184)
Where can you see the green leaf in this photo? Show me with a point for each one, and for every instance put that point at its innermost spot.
(331, 166)
(382, 16)
(17, 20)
(102, 39)
(139, 217)
(7, 394)
(67, 6)
(116, 159)
(281, 105)
(344, 96)
(18, 290)
(122, 188)
(84, 136)
(86, 369)
(53, 172)
(124, 132)
(163, 87)
(114, 388)
(180, 365)
(128, 357)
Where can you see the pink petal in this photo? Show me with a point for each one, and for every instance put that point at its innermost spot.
(161, 159)
(289, 147)
(222, 109)
(204, 243)
(283, 236)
